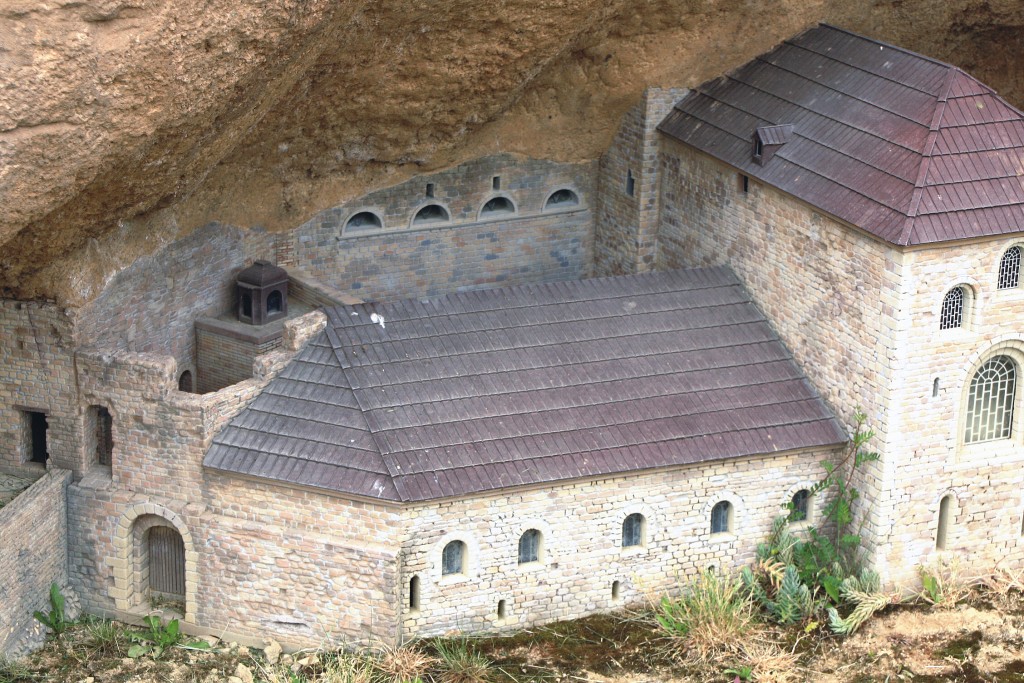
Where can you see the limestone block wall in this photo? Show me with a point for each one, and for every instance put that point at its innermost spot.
(37, 373)
(468, 251)
(933, 373)
(149, 307)
(582, 554)
(834, 294)
(33, 539)
(160, 436)
(626, 223)
(299, 566)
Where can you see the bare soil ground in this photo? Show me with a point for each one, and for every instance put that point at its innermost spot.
(982, 641)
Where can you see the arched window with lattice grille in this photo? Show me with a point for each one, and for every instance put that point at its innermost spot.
(1009, 268)
(990, 401)
(952, 314)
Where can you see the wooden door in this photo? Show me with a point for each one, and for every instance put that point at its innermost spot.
(166, 562)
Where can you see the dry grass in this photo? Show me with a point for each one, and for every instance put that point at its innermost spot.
(402, 664)
(944, 585)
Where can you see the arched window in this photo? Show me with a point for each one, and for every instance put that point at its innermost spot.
(952, 314)
(364, 221)
(530, 546)
(1009, 268)
(498, 206)
(562, 199)
(801, 503)
(990, 401)
(633, 530)
(166, 551)
(274, 302)
(185, 381)
(431, 213)
(453, 558)
(721, 517)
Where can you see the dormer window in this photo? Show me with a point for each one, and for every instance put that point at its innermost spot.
(768, 140)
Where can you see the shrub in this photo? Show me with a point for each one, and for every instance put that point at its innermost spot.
(710, 617)
(459, 662)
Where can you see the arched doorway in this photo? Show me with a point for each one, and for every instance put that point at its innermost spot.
(165, 551)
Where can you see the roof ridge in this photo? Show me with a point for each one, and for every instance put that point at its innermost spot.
(879, 42)
(926, 157)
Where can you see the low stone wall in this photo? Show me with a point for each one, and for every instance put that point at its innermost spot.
(33, 554)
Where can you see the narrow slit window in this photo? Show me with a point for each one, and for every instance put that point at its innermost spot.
(744, 183)
(1009, 268)
(990, 401)
(942, 529)
(615, 590)
(496, 182)
(104, 436)
(414, 593)
(630, 182)
(935, 387)
(952, 314)
(501, 612)
(36, 426)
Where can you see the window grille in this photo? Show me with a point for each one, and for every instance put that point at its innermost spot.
(1009, 268)
(990, 401)
(952, 314)
(801, 506)
(633, 530)
(104, 436)
(720, 517)
(529, 547)
(453, 558)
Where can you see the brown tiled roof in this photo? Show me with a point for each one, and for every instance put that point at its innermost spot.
(539, 383)
(905, 147)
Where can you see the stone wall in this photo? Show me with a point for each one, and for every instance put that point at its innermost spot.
(149, 307)
(33, 555)
(832, 292)
(468, 251)
(625, 238)
(582, 554)
(37, 373)
(933, 373)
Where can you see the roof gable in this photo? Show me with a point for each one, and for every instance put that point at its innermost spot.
(481, 390)
(905, 147)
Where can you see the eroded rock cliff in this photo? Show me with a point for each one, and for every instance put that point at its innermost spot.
(128, 123)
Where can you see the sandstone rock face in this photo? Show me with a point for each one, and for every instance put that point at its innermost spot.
(128, 123)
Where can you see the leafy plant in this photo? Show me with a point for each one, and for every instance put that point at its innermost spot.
(742, 673)
(56, 620)
(157, 638)
(942, 584)
(792, 600)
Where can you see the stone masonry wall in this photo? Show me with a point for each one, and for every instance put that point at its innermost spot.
(33, 554)
(832, 292)
(581, 525)
(533, 245)
(625, 234)
(150, 306)
(37, 373)
(930, 387)
(160, 436)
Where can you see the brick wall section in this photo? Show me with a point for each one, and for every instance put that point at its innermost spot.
(37, 372)
(581, 523)
(33, 539)
(305, 288)
(625, 238)
(929, 457)
(532, 246)
(223, 360)
(833, 293)
(150, 306)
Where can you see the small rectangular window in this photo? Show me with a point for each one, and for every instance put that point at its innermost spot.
(104, 435)
(35, 436)
(430, 189)
(744, 183)
(496, 182)
(630, 182)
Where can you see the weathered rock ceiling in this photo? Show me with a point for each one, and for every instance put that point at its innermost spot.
(128, 123)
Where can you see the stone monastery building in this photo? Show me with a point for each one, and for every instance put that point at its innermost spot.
(520, 390)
